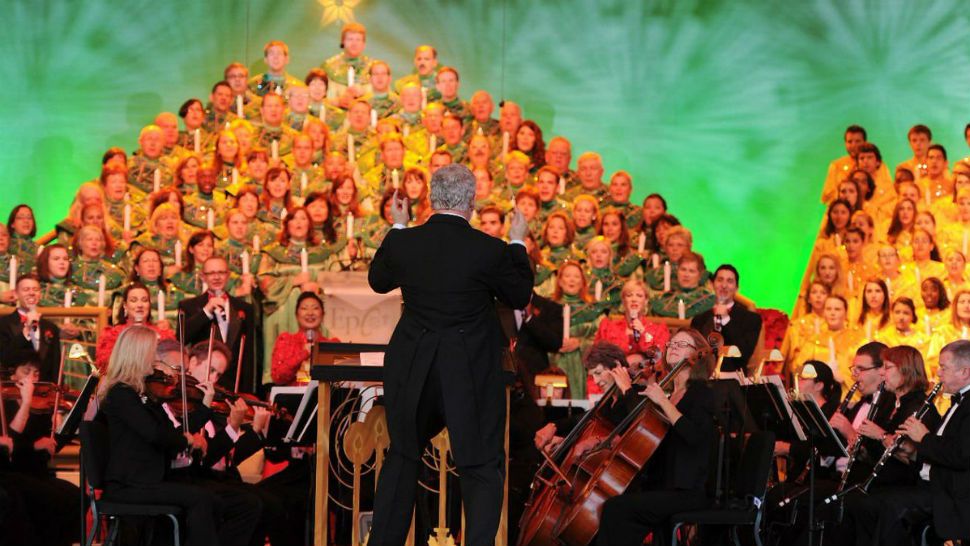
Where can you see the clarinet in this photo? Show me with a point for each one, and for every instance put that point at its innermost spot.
(918, 414)
(854, 451)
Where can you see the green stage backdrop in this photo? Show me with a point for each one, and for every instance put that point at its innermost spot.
(731, 109)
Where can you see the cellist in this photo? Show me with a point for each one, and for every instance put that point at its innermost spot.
(673, 480)
(607, 365)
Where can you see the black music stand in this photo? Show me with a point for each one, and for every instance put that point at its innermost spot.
(734, 421)
(770, 408)
(822, 440)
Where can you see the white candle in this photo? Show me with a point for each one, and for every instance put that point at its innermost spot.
(283, 214)
(851, 280)
(303, 183)
(562, 185)
(239, 105)
(304, 261)
(323, 112)
(178, 254)
(210, 219)
(351, 154)
(433, 143)
(505, 144)
(926, 325)
(275, 146)
(394, 180)
(868, 329)
(919, 276)
(13, 272)
(157, 181)
(127, 222)
(889, 288)
(598, 290)
(681, 309)
(838, 240)
(655, 258)
(424, 97)
(350, 226)
(832, 358)
(373, 118)
(160, 309)
(350, 76)
(245, 262)
(963, 333)
(927, 195)
(255, 245)
(566, 318)
(196, 141)
(818, 326)
(235, 176)
(480, 132)
(666, 276)
(966, 235)
(406, 131)
(102, 281)
(68, 297)
(305, 119)
(642, 243)
(205, 287)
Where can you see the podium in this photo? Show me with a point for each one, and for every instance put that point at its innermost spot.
(339, 362)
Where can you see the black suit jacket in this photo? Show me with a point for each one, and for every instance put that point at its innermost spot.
(13, 343)
(683, 459)
(742, 331)
(450, 276)
(241, 322)
(949, 456)
(538, 336)
(142, 439)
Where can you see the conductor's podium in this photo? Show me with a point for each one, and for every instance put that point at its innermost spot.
(335, 363)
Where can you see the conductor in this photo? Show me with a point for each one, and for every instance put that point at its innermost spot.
(442, 366)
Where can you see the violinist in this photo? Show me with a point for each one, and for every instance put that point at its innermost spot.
(941, 453)
(607, 366)
(143, 439)
(674, 478)
(26, 330)
(49, 505)
(220, 418)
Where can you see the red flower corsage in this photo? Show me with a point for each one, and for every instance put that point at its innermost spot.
(241, 315)
(48, 335)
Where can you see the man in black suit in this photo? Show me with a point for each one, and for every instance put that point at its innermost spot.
(443, 363)
(232, 318)
(24, 330)
(942, 495)
(531, 334)
(739, 326)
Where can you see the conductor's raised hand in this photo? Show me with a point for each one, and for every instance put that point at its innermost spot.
(399, 209)
(519, 226)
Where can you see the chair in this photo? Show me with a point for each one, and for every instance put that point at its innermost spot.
(747, 506)
(94, 458)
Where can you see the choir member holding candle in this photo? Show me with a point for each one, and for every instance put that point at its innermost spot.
(810, 322)
(874, 315)
(276, 200)
(92, 271)
(200, 247)
(136, 309)
(580, 316)
(677, 242)
(528, 140)
(145, 167)
(690, 298)
(164, 235)
(835, 344)
(956, 272)
(906, 328)
(206, 208)
(936, 304)
(23, 229)
(193, 137)
(557, 236)
(349, 71)
(288, 267)
(147, 269)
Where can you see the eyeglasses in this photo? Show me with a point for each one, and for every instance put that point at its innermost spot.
(215, 273)
(680, 344)
(164, 364)
(860, 369)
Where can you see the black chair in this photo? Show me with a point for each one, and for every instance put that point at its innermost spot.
(746, 507)
(94, 458)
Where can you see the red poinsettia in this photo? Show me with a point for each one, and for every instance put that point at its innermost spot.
(289, 352)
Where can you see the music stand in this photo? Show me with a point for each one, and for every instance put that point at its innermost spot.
(769, 402)
(822, 440)
(69, 426)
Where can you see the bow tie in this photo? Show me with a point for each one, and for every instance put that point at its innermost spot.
(955, 398)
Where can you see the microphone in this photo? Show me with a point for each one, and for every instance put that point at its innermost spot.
(636, 333)
(310, 335)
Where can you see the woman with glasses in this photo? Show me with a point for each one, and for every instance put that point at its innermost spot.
(632, 331)
(678, 470)
(136, 310)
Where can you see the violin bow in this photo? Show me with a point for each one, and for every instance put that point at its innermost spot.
(242, 349)
(185, 396)
(3, 415)
(57, 395)
(208, 356)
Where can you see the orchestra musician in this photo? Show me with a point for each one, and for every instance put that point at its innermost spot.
(675, 476)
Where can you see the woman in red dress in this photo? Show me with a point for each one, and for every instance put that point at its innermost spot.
(136, 308)
(291, 353)
(632, 332)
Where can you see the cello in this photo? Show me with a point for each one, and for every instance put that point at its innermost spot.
(551, 489)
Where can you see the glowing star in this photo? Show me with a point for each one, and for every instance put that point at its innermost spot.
(334, 10)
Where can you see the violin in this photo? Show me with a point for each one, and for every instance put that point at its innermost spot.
(163, 388)
(222, 403)
(46, 395)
